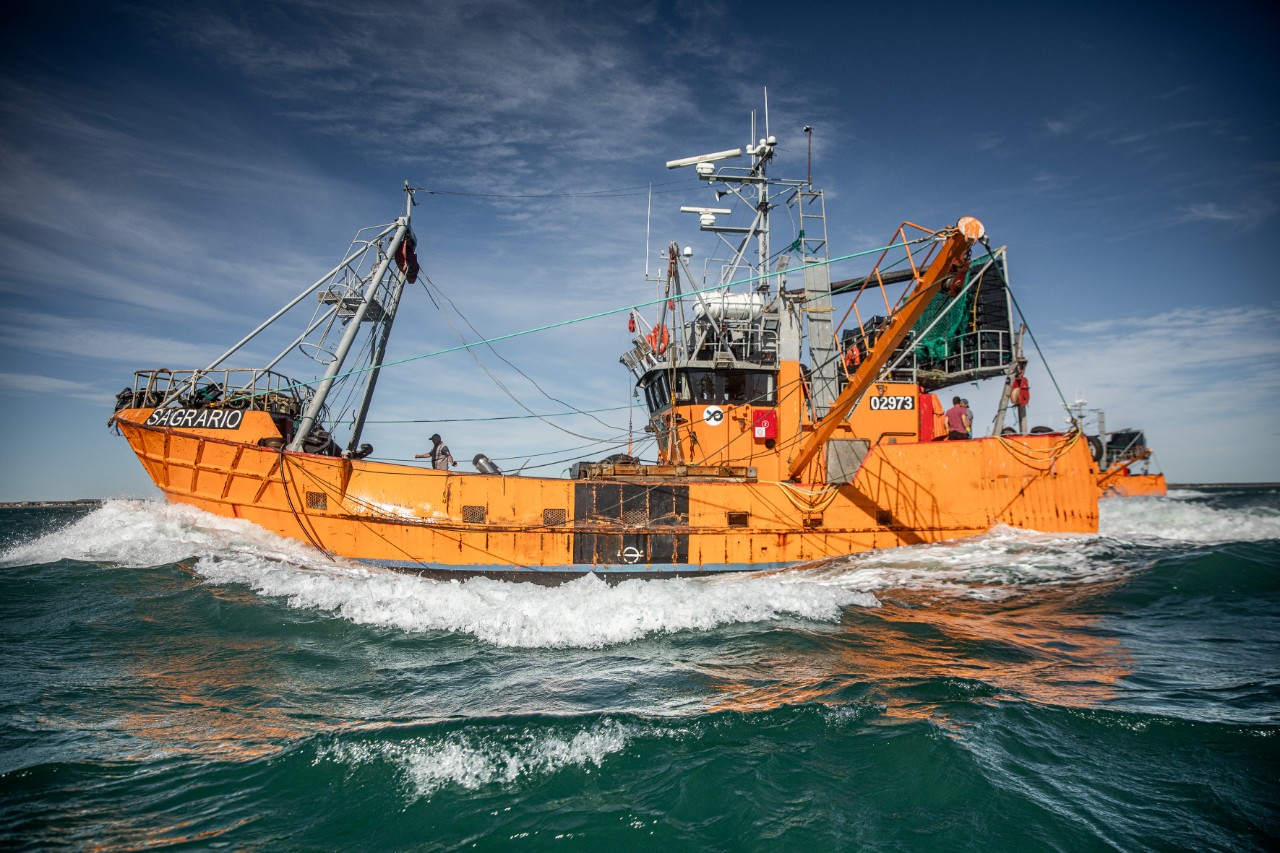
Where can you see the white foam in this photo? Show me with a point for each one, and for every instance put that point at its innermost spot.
(150, 533)
(1007, 562)
(473, 761)
(1146, 520)
(588, 613)
(990, 567)
(583, 613)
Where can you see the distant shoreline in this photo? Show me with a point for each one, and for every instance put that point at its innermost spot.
(92, 502)
(1223, 485)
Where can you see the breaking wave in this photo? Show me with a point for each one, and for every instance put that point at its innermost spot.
(477, 757)
(1184, 517)
(584, 613)
(589, 613)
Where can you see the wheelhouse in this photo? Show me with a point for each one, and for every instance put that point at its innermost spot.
(684, 386)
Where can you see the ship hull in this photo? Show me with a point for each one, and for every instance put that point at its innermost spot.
(442, 523)
(1135, 486)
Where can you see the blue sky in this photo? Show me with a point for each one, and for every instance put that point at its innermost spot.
(171, 175)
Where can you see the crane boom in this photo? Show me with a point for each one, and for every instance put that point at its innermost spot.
(957, 241)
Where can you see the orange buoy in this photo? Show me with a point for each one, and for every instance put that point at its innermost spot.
(659, 338)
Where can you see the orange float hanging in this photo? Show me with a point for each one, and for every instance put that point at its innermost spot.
(659, 338)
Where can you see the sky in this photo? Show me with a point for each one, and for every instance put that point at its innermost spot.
(172, 173)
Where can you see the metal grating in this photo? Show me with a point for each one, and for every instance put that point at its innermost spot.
(884, 516)
(630, 523)
(473, 514)
(555, 517)
(317, 500)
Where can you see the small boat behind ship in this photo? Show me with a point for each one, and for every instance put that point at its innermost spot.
(777, 433)
(1122, 459)
(1124, 463)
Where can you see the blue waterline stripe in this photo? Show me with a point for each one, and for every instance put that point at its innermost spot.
(583, 568)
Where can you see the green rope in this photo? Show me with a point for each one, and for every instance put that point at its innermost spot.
(502, 417)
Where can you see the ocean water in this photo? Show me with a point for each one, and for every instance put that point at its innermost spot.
(175, 680)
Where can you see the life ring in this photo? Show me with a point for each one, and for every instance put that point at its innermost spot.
(659, 338)
(1021, 391)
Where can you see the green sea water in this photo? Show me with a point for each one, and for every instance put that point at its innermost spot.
(173, 680)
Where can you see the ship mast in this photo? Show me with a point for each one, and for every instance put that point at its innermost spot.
(375, 365)
(312, 414)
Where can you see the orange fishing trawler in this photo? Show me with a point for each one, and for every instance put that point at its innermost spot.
(1117, 483)
(777, 434)
(1118, 455)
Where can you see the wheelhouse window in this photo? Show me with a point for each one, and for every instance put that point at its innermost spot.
(657, 391)
(710, 387)
(732, 387)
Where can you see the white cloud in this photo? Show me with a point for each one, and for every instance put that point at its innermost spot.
(31, 383)
(989, 141)
(133, 219)
(1175, 92)
(1058, 127)
(1129, 139)
(146, 221)
(512, 95)
(1201, 382)
(89, 338)
(1248, 213)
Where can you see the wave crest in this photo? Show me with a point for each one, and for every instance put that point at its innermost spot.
(473, 760)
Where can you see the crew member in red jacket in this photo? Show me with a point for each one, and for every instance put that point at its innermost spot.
(958, 420)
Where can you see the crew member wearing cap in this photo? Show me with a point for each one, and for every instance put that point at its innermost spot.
(439, 454)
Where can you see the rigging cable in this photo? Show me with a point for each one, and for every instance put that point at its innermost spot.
(284, 483)
(432, 287)
(680, 185)
(597, 315)
(1061, 397)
